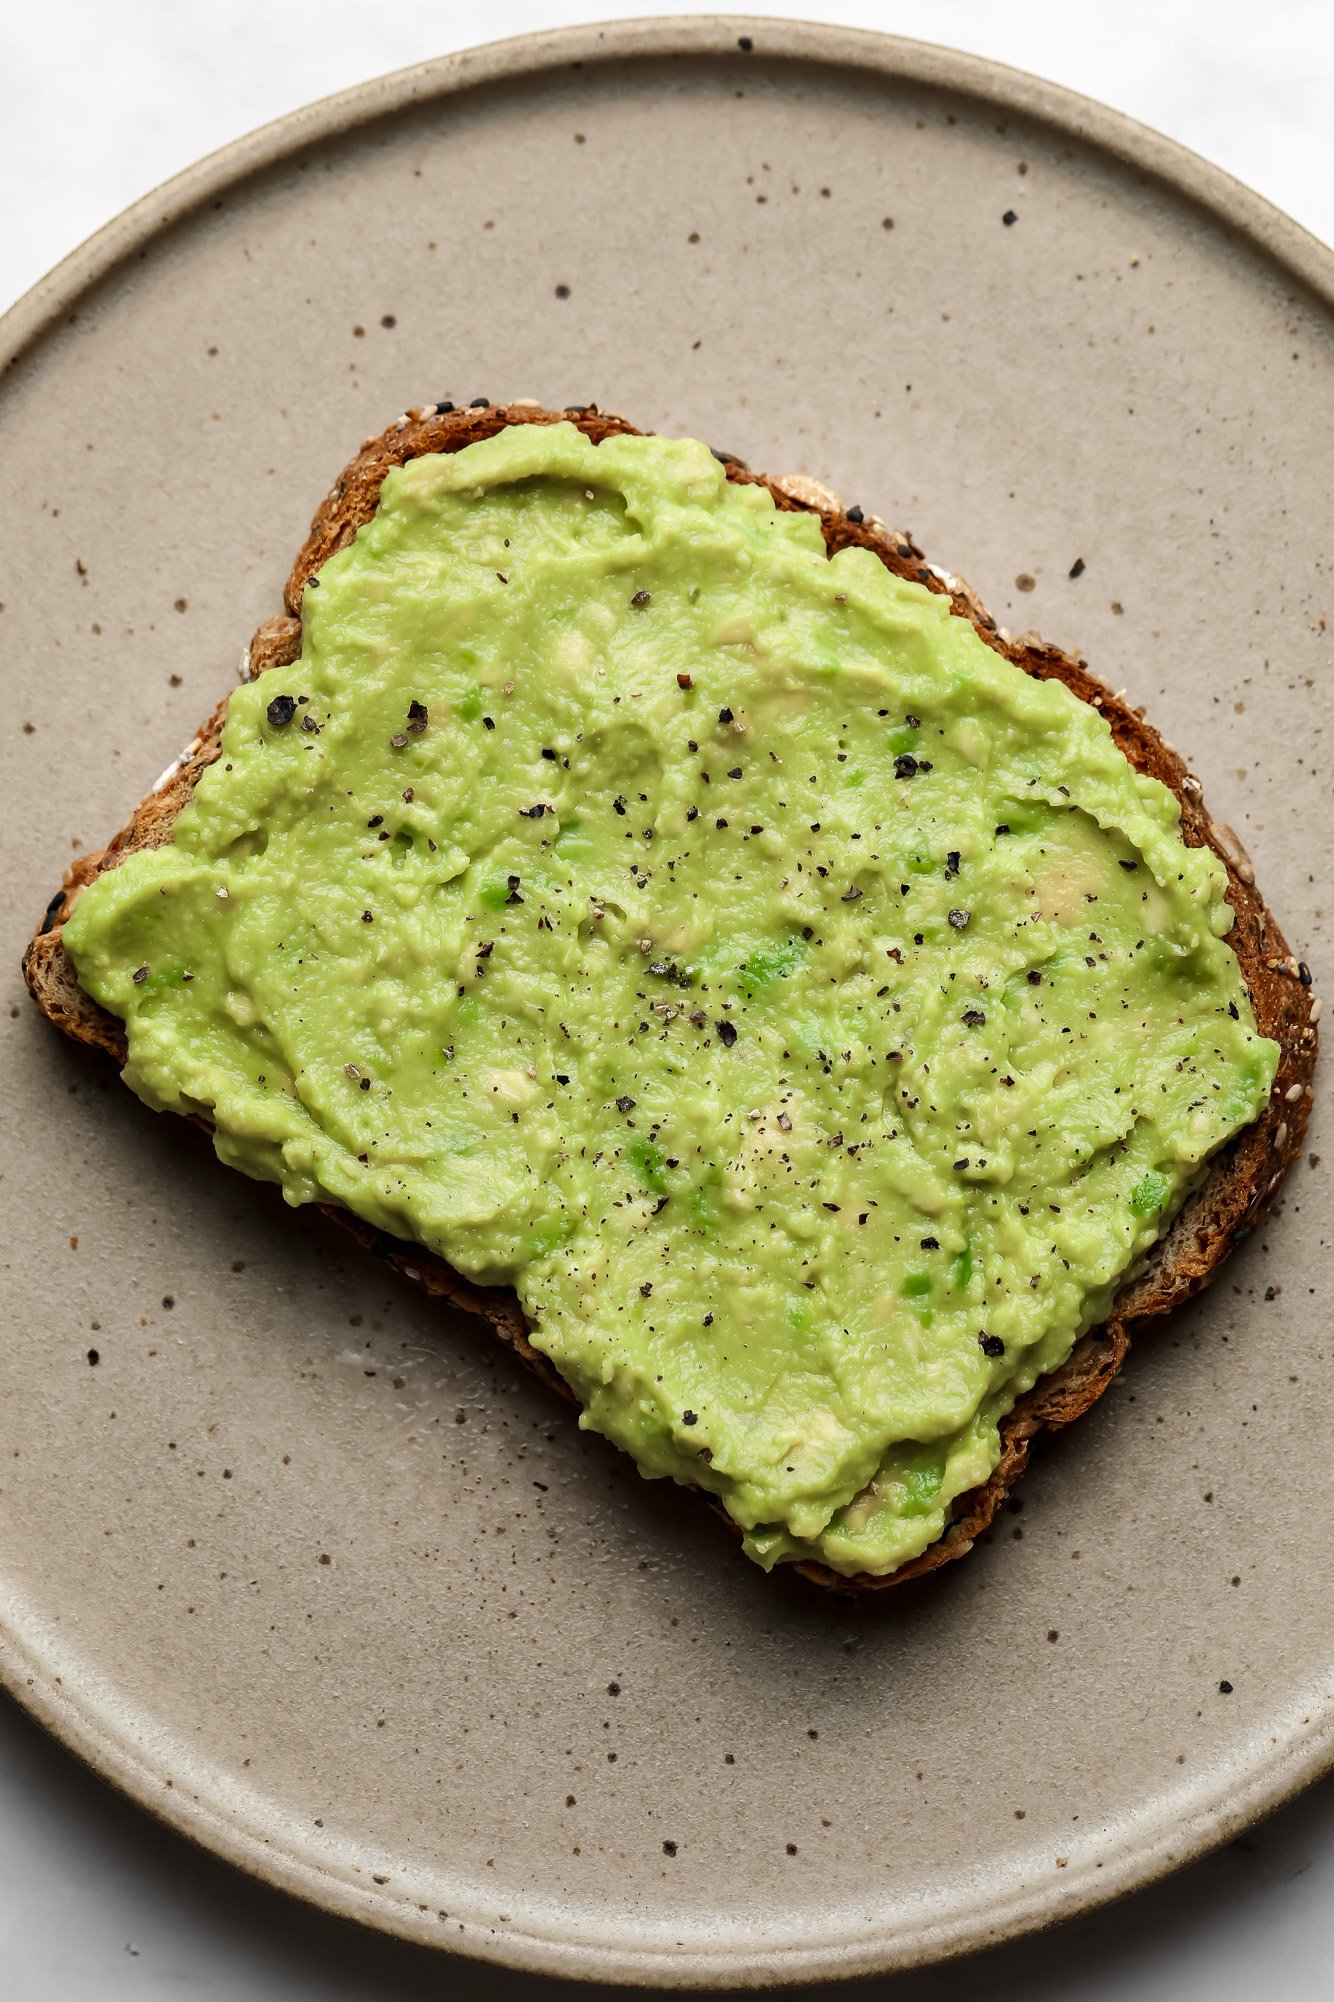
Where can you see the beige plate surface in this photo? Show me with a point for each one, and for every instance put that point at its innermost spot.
(299, 1562)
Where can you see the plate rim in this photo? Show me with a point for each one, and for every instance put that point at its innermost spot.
(1293, 1762)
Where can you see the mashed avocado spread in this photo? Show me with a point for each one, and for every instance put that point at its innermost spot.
(813, 1017)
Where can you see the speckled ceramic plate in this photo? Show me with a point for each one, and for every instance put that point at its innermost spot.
(301, 1562)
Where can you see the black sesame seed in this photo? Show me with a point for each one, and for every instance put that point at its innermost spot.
(488, 722)
(856, 514)
(1034, 977)
(1009, 217)
(1303, 973)
(480, 403)
(724, 715)
(991, 1345)
(1077, 567)
(1127, 865)
(1225, 1688)
(726, 1033)
(444, 409)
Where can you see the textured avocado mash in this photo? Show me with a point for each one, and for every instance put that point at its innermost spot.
(814, 1018)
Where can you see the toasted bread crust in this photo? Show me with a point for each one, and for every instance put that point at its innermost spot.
(1242, 1179)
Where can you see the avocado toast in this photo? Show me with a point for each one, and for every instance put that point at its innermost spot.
(731, 1026)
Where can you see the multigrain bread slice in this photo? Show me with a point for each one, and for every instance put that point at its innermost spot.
(1243, 1177)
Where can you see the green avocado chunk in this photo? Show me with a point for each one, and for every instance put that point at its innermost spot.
(812, 1016)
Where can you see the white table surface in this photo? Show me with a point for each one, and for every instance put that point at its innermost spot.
(100, 100)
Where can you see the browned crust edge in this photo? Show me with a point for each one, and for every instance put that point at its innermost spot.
(1242, 1180)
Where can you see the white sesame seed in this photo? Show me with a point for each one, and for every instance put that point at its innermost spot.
(1293, 1093)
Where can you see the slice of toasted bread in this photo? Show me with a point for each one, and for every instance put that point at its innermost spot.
(1243, 1176)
